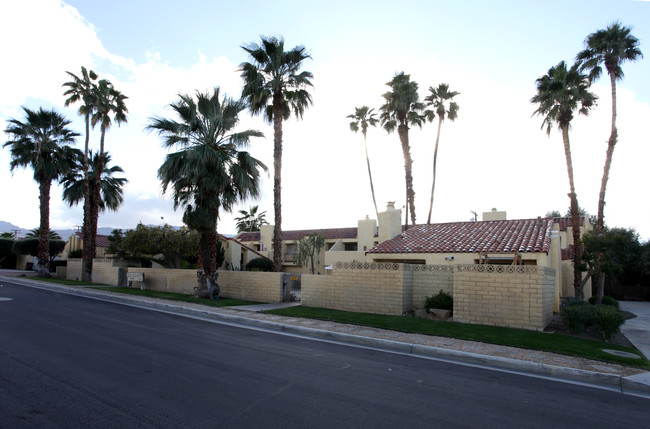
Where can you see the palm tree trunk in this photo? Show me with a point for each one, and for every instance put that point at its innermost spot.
(44, 233)
(435, 160)
(600, 220)
(575, 216)
(85, 229)
(613, 138)
(277, 183)
(402, 129)
(372, 187)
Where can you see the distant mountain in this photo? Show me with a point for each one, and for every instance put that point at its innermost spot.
(64, 233)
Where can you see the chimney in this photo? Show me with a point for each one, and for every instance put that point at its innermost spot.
(390, 222)
(494, 215)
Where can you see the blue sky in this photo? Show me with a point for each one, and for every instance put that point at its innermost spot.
(493, 155)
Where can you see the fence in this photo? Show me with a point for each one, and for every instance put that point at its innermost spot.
(511, 296)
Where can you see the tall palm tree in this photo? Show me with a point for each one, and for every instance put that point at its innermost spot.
(109, 107)
(84, 89)
(610, 47)
(250, 220)
(41, 142)
(275, 86)
(560, 93)
(401, 109)
(209, 172)
(111, 188)
(36, 233)
(440, 99)
(362, 118)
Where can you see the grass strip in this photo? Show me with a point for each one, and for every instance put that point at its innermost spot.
(521, 338)
(221, 302)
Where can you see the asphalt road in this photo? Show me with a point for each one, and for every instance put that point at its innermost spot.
(73, 362)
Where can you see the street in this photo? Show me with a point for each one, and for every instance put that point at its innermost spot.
(68, 361)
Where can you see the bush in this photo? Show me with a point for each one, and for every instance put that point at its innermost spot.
(76, 254)
(608, 320)
(607, 300)
(260, 264)
(578, 315)
(440, 300)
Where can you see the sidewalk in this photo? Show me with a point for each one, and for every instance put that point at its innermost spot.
(615, 377)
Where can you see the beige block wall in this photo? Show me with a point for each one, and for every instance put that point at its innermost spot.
(364, 290)
(73, 269)
(106, 271)
(247, 285)
(251, 285)
(485, 294)
(428, 280)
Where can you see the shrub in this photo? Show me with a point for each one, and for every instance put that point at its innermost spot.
(607, 300)
(260, 264)
(76, 254)
(440, 300)
(608, 320)
(578, 315)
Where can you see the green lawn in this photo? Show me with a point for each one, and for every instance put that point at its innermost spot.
(221, 302)
(544, 341)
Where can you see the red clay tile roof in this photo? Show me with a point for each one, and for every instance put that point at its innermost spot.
(329, 234)
(101, 240)
(504, 236)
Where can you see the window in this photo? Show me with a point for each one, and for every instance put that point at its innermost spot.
(350, 247)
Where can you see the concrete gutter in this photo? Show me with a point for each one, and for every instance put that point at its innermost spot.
(637, 385)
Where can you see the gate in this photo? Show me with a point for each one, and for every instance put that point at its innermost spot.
(290, 287)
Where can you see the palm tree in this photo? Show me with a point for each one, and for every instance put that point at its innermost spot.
(610, 47)
(84, 89)
(111, 188)
(273, 85)
(108, 106)
(250, 220)
(401, 109)
(561, 92)
(41, 143)
(363, 117)
(439, 99)
(36, 233)
(209, 172)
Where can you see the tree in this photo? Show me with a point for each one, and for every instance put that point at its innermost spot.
(116, 245)
(610, 47)
(176, 246)
(362, 118)
(32, 247)
(111, 194)
(309, 248)
(109, 107)
(36, 232)
(41, 142)
(274, 86)
(84, 89)
(250, 220)
(610, 252)
(440, 99)
(401, 109)
(209, 172)
(561, 92)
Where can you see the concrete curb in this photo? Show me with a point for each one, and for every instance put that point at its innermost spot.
(638, 385)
